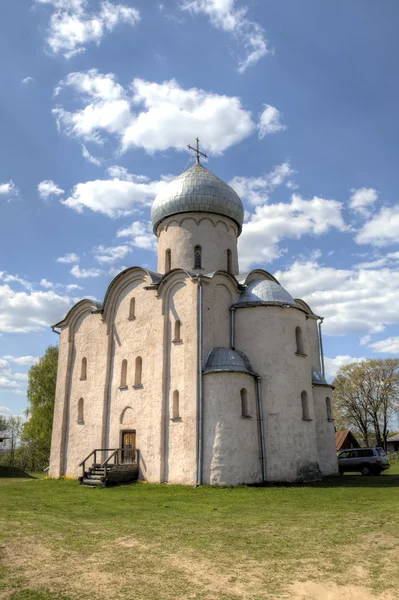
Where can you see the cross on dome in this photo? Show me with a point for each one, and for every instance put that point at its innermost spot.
(197, 151)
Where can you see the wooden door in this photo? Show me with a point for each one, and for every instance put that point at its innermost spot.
(128, 446)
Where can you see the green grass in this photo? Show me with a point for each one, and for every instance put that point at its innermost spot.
(158, 542)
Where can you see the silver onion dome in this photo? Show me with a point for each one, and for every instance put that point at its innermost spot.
(197, 190)
(264, 291)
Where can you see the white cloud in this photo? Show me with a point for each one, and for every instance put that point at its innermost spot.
(225, 15)
(115, 197)
(256, 190)
(9, 189)
(68, 258)
(269, 121)
(390, 259)
(112, 254)
(46, 284)
(388, 346)
(22, 360)
(73, 286)
(85, 273)
(141, 235)
(72, 26)
(332, 365)
(90, 158)
(7, 278)
(362, 199)
(361, 302)
(22, 312)
(48, 188)
(365, 340)
(27, 80)
(272, 223)
(4, 409)
(382, 229)
(153, 116)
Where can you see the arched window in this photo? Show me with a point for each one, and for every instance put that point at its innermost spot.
(197, 257)
(305, 407)
(244, 403)
(229, 261)
(80, 410)
(168, 260)
(138, 372)
(132, 309)
(177, 337)
(330, 415)
(175, 407)
(83, 369)
(299, 341)
(123, 383)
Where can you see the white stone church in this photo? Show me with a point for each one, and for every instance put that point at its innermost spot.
(203, 374)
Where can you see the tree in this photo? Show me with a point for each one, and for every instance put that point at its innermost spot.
(366, 396)
(36, 434)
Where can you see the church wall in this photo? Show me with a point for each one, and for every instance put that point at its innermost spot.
(181, 359)
(314, 345)
(230, 441)
(325, 431)
(219, 294)
(266, 334)
(89, 341)
(138, 407)
(181, 233)
(56, 437)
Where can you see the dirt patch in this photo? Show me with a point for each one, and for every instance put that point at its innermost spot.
(310, 590)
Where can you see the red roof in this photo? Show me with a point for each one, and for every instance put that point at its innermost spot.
(340, 438)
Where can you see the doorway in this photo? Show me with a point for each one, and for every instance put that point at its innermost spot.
(128, 447)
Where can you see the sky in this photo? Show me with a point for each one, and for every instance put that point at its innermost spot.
(295, 104)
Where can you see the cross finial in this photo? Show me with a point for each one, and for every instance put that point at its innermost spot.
(197, 151)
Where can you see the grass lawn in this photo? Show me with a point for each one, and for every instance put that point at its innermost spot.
(63, 541)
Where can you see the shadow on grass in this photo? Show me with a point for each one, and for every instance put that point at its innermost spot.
(13, 472)
(342, 481)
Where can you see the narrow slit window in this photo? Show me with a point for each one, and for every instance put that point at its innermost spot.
(175, 407)
(177, 337)
(229, 261)
(244, 403)
(197, 257)
(168, 260)
(138, 372)
(299, 341)
(132, 308)
(83, 369)
(81, 410)
(123, 383)
(305, 406)
(330, 416)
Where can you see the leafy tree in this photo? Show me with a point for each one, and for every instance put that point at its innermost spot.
(36, 434)
(366, 396)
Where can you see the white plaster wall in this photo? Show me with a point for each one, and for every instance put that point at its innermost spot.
(219, 294)
(324, 431)
(313, 341)
(266, 334)
(231, 442)
(180, 435)
(181, 233)
(142, 336)
(56, 436)
(90, 341)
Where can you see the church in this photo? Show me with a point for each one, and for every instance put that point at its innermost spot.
(198, 373)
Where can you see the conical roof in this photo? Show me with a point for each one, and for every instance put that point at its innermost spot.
(197, 190)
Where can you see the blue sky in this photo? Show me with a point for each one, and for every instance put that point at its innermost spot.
(295, 104)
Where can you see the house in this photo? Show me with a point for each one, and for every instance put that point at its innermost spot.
(345, 440)
(393, 443)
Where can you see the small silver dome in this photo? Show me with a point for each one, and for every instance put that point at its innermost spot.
(318, 378)
(197, 190)
(221, 360)
(265, 291)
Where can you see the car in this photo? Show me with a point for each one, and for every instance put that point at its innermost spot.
(368, 461)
